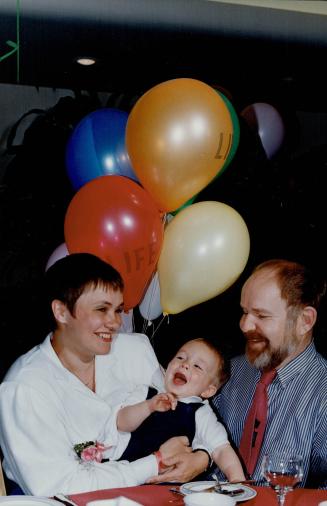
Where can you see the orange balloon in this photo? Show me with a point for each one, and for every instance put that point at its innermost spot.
(178, 137)
(115, 219)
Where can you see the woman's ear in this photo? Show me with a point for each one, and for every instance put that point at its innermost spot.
(307, 319)
(59, 310)
(209, 392)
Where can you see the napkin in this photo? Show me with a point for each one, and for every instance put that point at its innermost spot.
(118, 501)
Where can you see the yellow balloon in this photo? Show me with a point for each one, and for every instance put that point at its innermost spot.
(178, 137)
(205, 249)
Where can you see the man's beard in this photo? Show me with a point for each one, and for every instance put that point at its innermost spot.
(269, 358)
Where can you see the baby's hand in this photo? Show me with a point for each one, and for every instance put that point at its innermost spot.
(163, 402)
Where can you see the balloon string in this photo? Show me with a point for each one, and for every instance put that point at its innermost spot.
(159, 324)
(145, 325)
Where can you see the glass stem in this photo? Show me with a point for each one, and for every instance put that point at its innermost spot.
(281, 498)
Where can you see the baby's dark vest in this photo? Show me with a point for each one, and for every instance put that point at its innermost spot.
(159, 427)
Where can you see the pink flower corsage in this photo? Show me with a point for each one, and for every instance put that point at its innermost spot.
(91, 451)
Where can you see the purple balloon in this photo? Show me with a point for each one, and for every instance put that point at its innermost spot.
(267, 122)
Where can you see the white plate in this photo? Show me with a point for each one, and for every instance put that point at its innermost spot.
(201, 486)
(118, 501)
(27, 500)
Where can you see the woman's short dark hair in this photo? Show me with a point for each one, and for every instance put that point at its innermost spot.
(68, 278)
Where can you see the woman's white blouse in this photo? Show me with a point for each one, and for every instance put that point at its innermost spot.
(45, 410)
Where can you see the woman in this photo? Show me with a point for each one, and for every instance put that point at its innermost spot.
(57, 420)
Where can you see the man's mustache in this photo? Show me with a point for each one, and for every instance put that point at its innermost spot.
(253, 335)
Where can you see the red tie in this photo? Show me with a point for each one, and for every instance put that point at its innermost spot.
(255, 423)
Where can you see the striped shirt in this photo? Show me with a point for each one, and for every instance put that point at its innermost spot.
(297, 411)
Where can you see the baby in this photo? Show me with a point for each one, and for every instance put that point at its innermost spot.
(195, 373)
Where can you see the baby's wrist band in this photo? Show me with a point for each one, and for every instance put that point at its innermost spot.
(158, 456)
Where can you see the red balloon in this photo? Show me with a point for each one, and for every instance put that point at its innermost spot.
(115, 219)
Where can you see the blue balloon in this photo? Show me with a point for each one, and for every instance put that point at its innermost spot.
(97, 147)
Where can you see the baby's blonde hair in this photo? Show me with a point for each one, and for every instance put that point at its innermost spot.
(222, 372)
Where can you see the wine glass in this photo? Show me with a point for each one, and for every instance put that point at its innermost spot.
(283, 472)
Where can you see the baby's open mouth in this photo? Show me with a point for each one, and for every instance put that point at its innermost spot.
(180, 379)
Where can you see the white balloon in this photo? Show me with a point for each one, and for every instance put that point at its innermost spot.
(150, 306)
(268, 123)
(127, 322)
(60, 252)
(205, 249)
(169, 217)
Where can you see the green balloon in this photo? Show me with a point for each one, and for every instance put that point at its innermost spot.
(186, 204)
(235, 136)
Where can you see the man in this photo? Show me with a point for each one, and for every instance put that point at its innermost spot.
(280, 301)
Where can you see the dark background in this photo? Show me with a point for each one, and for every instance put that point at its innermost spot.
(254, 54)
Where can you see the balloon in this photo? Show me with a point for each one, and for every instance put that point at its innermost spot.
(60, 252)
(96, 147)
(188, 203)
(235, 139)
(168, 218)
(267, 122)
(127, 322)
(236, 133)
(178, 136)
(150, 307)
(115, 219)
(205, 249)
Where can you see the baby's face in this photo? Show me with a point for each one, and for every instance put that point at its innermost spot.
(193, 371)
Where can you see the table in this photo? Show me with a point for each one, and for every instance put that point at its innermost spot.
(160, 495)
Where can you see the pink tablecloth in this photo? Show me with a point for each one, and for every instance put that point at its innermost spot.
(160, 495)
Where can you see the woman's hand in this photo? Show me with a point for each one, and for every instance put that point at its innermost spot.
(183, 465)
(174, 446)
(169, 449)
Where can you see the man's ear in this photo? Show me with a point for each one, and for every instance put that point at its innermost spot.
(209, 392)
(60, 311)
(307, 319)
